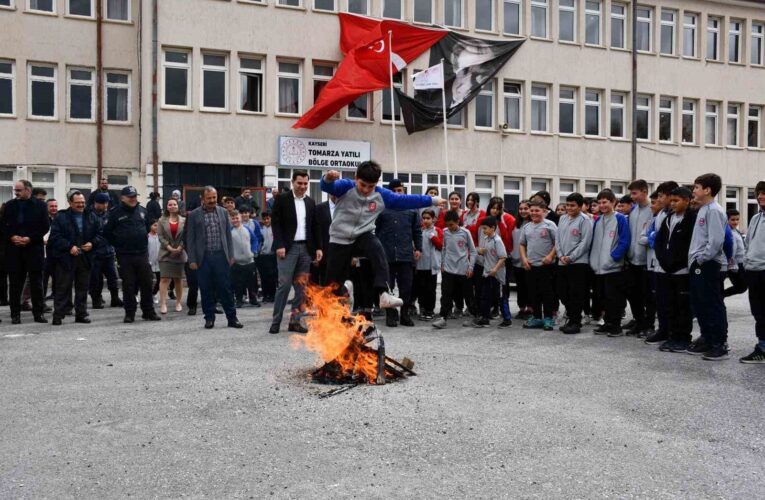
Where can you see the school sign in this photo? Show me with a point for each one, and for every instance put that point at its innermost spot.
(327, 153)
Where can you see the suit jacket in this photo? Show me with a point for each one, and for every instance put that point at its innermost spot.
(323, 221)
(284, 223)
(35, 221)
(166, 238)
(64, 235)
(196, 234)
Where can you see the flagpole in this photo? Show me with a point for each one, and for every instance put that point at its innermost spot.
(446, 142)
(392, 103)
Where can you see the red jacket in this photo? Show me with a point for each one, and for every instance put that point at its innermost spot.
(506, 224)
(438, 238)
(474, 228)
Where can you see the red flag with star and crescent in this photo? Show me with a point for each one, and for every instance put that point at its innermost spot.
(368, 62)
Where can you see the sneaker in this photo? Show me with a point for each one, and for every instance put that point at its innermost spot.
(480, 323)
(630, 325)
(645, 333)
(571, 329)
(388, 301)
(699, 347)
(717, 353)
(534, 324)
(455, 314)
(756, 358)
(616, 331)
(440, 323)
(657, 338)
(506, 323)
(548, 324)
(587, 320)
(469, 322)
(680, 346)
(602, 329)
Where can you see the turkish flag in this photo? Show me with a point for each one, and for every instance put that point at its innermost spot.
(368, 62)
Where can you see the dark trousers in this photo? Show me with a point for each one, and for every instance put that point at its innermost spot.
(425, 282)
(542, 291)
(3, 278)
(491, 289)
(241, 278)
(637, 292)
(268, 274)
(449, 284)
(192, 294)
(756, 283)
(155, 288)
(252, 284)
(611, 293)
(663, 312)
(339, 262)
(673, 298)
(475, 283)
(738, 282)
(22, 262)
(707, 302)
(521, 287)
(319, 273)
(213, 278)
(401, 274)
(363, 295)
(49, 274)
(102, 266)
(78, 276)
(572, 289)
(650, 301)
(136, 275)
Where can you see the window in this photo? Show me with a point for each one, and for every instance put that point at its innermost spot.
(118, 10)
(453, 13)
(484, 106)
(689, 35)
(484, 186)
(512, 17)
(42, 91)
(513, 193)
(7, 87)
(46, 180)
(251, 84)
(734, 41)
(592, 188)
(322, 74)
(398, 80)
(711, 123)
(6, 185)
(732, 124)
(618, 100)
(731, 198)
(43, 5)
(643, 117)
(592, 112)
(758, 44)
(567, 110)
(539, 18)
(753, 127)
(668, 18)
(592, 22)
(81, 95)
(644, 29)
(752, 206)
(618, 26)
(567, 20)
(539, 111)
(117, 96)
(423, 11)
(540, 185)
(619, 188)
(713, 38)
(82, 8)
(689, 122)
(214, 81)
(391, 9)
(513, 105)
(290, 3)
(177, 85)
(358, 7)
(328, 5)
(565, 188)
(457, 120)
(6, 3)
(666, 118)
(81, 182)
(484, 15)
(289, 78)
(360, 108)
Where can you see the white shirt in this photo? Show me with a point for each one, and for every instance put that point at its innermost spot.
(300, 215)
(331, 209)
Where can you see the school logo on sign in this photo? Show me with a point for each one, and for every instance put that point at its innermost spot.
(372, 206)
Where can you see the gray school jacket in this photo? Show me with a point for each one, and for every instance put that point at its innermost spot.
(709, 236)
(574, 239)
(538, 239)
(755, 239)
(610, 242)
(458, 255)
(639, 219)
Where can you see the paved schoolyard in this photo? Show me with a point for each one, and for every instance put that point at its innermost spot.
(171, 410)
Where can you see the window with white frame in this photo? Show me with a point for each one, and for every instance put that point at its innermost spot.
(177, 85)
(6, 185)
(117, 96)
(758, 44)
(45, 179)
(732, 121)
(713, 38)
(711, 123)
(513, 96)
(360, 109)
(567, 110)
(539, 20)
(398, 82)
(592, 188)
(7, 87)
(539, 108)
(214, 81)
(81, 95)
(457, 120)
(752, 205)
(512, 17)
(689, 122)
(6, 3)
(289, 84)
(484, 186)
(326, 5)
(290, 3)
(439, 181)
(539, 185)
(593, 21)
(734, 40)
(618, 102)
(618, 26)
(484, 106)
(83, 8)
(565, 188)
(513, 194)
(118, 10)
(358, 7)
(753, 126)
(251, 84)
(423, 11)
(484, 15)
(42, 91)
(392, 9)
(592, 112)
(643, 117)
(453, 13)
(619, 188)
(644, 21)
(82, 182)
(666, 118)
(731, 197)
(567, 20)
(322, 74)
(690, 22)
(42, 5)
(668, 21)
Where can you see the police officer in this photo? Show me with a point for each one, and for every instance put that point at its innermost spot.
(103, 260)
(126, 229)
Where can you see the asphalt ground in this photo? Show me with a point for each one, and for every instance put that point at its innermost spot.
(170, 410)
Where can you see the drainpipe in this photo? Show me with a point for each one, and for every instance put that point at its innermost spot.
(634, 90)
(154, 133)
(99, 91)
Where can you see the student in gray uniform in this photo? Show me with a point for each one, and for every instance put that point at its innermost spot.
(754, 263)
(538, 257)
(494, 254)
(572, 247)
(736, 263)
(637, 274)
(457, 261)
(428, 265)
(651, 263)
(267, 259)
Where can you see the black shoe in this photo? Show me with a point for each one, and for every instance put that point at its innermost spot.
(616, 331)
(239, 305)
(699, 347)
(717, 353)
(56, 322)
(406, 321)
(571, 329)
(646, 333)
(116, 302)
(274, 329)
(679, 346)
(129, 318)
(152, 316)
(234, 323)
(657, 338)
(391, 323)
(40, 319)
(296, 327)
(82, 319)
(757, 357)
(192, 311)
(506, 323)
(209, 324)
(634, 331)
(602, 329)
(255, 303)
(15, 320)
(630, 325)
(98, 303)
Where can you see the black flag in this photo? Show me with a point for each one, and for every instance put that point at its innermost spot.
(468, 64)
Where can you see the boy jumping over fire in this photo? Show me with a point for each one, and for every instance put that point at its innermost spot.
(351, 234)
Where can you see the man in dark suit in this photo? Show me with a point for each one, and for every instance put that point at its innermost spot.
(103, 187)
(297, 243)
(24, 225)
(324, 212)
(211, 254)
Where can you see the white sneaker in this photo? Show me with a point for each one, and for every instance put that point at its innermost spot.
(440, 323)
(388, 301)
(349, 286)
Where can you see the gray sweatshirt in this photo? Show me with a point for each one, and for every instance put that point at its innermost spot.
(495, 250)
(650, 253)
(639, 219)
(268, 240)
(739, 251)
(458, 255)
(709, 236)
(430, 260)
(574, 239)
(755, 239)
(610, 243)
(658, 221)
(240, 238)
(515, 253)
(538, 239)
